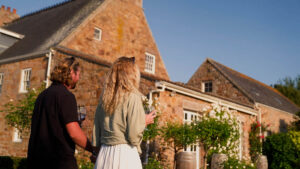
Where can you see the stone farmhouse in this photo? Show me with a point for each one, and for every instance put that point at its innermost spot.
(97, 32)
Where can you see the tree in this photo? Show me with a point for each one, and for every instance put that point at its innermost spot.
(290, 88)
(19, 113)
(295, 125)
(178, 135)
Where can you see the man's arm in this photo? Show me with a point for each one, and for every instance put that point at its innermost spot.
(78, 136)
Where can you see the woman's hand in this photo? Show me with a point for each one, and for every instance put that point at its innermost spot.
(150, 117)
(95, 154)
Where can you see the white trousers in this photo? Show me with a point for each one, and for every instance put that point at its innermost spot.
(122, 156)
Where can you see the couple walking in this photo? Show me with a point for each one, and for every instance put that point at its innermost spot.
(118, 125)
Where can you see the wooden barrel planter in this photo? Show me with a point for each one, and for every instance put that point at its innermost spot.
(186, 160)
(217, 161)
(262, 162)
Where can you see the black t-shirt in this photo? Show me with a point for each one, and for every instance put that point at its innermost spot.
(50, 146)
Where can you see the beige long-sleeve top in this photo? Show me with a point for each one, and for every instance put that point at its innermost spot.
(124, 126)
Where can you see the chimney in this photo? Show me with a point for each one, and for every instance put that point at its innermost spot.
(7, 15)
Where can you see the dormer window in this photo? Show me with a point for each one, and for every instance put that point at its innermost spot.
(97, 34)
(149, 63)
(207, 86)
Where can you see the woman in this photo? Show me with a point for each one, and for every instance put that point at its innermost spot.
(120, 118)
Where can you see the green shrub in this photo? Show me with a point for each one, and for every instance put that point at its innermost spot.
(281, 152)
(85, 164)
(7, 162)
(295, 136)
(153, 164)
(233, 163)
(178, 135)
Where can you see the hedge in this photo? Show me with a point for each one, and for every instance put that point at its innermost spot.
(281, 152)
(7, 162)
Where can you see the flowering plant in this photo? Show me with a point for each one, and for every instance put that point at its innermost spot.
(218, 131)
(152, 130)
(255, 139)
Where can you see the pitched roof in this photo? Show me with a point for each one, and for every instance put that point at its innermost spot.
(258, 91)
(209, 94)
(46, 28)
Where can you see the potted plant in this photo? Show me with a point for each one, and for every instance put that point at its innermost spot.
(180, 136)
(217, 132)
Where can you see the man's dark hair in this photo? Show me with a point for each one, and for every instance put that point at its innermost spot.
(62, 72)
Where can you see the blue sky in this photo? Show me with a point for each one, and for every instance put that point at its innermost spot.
(260, 38)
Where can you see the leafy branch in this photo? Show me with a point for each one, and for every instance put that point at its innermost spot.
(19, 113)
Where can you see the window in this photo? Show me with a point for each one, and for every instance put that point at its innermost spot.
(150, 63)
(190, 116)
(1, 81)
(17, 136)
(208, 86)
(97, 34)
(25, 80)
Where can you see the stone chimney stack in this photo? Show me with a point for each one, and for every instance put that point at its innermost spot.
(7, 16)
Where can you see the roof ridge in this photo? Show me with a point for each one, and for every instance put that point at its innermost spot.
(242, 75)
(40, 11)
(185, 85)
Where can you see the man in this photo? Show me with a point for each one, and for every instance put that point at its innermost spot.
(55, 129)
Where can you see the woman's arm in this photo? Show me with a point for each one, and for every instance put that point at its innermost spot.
(97, 128)
(136, 121)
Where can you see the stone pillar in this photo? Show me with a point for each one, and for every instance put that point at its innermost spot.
(262, 162)
(218, 160)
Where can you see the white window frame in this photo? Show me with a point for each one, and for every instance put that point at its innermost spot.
(16, 136)
(98, 36)
(1, 81)
(203, 87)
(188, 117)
(149, 67)
(23, 85)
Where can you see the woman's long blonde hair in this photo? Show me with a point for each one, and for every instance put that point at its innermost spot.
(122, 78)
